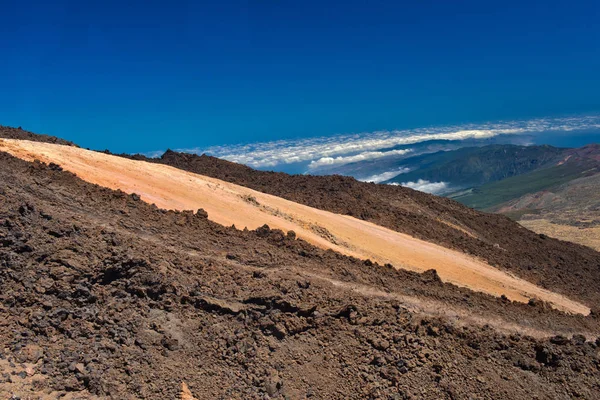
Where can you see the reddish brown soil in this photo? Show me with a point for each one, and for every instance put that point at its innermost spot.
(104, 295)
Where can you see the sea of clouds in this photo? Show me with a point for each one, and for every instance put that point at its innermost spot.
(312, 154)
(322, 150)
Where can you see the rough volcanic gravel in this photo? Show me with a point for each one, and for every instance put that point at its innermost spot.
(19, 133)
(560, 266)
(105, 296)
(563, 267)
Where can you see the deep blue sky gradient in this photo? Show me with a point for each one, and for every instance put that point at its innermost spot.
(138, 76)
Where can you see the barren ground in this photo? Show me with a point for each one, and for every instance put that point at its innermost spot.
(105, 296)
(587, 236)
(230, 204)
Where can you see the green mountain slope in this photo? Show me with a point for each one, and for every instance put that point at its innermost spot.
(475, 166)
(490, 195)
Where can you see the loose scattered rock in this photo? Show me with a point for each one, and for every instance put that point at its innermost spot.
(127, 303)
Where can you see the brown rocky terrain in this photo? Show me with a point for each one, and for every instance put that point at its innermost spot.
(19, 133)
(105, 296)
(233, 205)
(553, 264)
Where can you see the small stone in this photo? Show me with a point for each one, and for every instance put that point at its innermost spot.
(560, 340)
(273, 386)
(378, 361)
(579, 339)
(170, 343)
(201, 213)
(433, 331)
(31, 354)
(79, 367)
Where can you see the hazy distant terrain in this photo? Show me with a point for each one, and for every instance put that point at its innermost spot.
(368, 154)
(474, 166)
(555, 191)
(569, 211)
(551, 190)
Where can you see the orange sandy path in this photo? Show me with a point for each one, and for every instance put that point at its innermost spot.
(171, 188)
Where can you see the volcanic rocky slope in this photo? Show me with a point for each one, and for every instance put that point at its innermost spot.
(563, 267)
(105, 296)
(19, 133)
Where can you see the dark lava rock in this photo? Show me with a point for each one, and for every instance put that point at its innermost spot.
(579, 339)
(154, 281)
(560, 340)
(201, 213)
(170, 343)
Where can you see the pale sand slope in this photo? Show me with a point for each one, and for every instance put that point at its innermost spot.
(587, 236)
(228, 204)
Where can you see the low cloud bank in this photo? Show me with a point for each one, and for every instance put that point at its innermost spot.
(371, 155)
(385, 176)
(342, 149)
(154, 154)
(423, 185)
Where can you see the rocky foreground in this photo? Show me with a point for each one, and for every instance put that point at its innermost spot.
(105, 296)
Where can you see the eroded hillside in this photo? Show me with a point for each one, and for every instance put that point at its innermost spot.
(230, 204)
(557, 265)
(105, 296)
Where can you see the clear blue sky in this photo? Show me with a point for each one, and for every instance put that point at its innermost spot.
(140, 76)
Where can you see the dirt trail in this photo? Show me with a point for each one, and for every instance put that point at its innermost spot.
(230, 204)
(458, 315)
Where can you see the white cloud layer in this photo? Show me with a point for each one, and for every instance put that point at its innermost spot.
(385, 175)
(345, 148)
(154, 154)
(423, 185)
(369, 155)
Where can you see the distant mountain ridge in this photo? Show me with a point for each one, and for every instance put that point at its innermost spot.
(569, 165)
(474, 166)
(554, 191)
